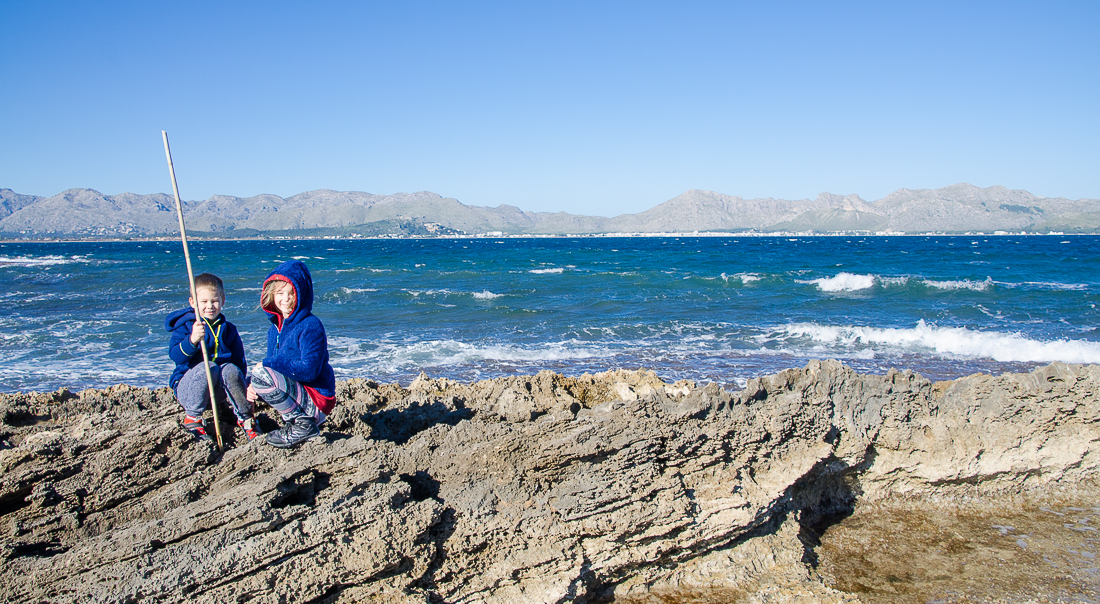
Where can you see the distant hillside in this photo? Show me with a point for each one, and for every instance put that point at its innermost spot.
(954, 209)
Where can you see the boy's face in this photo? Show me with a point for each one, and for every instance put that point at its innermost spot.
(209, 302)
(285, 299)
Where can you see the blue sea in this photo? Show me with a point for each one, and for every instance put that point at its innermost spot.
(709, 309)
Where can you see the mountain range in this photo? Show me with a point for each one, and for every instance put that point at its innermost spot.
(86, 213)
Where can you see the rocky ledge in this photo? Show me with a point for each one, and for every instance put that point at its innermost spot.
(613, 487)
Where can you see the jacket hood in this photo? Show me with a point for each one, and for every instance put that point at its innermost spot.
(297, 275)
(180, 317)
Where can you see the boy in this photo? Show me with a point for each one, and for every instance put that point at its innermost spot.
(225, 351)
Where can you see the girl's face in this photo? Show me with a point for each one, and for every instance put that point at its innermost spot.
(285, 299)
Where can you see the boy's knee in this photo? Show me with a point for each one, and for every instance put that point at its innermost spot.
(230, 373)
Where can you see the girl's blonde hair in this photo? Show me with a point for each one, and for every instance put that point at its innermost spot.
(267, 296)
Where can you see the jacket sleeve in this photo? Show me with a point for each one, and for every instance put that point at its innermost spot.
(180, 348)
(236, 347)
(312, 348)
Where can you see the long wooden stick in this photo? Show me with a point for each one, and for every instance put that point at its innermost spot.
(194, 296)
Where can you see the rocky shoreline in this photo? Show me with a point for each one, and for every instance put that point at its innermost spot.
(613, 487)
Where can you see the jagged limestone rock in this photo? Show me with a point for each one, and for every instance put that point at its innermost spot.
(542, 488)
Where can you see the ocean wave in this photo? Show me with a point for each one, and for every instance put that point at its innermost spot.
(978, 286)
(546, 271)
(394, 357)
(745, 278)
(846, 282)
(482, 295)
(1055, 286)
(899, 281)
(843, 282)
(957, 342)
(42, 260)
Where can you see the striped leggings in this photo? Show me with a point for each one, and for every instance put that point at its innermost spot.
(285, 395)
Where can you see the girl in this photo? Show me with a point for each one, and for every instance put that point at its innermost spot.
(295, 378)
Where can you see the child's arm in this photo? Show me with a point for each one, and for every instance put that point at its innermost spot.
(180, 348)
(236, 349)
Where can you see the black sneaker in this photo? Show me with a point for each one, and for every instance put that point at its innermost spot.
(293, 432)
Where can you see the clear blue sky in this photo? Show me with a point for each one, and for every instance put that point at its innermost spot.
(598, 108)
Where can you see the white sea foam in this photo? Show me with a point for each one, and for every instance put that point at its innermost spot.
(358, 290)
(978, 286)
(546, 271)
(887, 281)
(390, 358)
(1055, 286)
(744, 278)
(948, 341)
(41, 260)
(843, 282)
(482, 295)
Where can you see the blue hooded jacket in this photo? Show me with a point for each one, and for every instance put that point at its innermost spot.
(223, 343)
(298, 346)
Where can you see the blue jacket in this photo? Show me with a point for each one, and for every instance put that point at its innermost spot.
(298, 346)
(223, 343)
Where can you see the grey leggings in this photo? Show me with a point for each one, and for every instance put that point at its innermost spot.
(285, 395)
(194, 396)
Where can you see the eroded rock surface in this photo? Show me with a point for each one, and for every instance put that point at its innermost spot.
(542, 488)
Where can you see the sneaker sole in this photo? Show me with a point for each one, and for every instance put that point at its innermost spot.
(316, 437)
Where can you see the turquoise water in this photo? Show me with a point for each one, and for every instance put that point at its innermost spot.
(721, 309)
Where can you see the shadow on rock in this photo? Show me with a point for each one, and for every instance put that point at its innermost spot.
(399, 424)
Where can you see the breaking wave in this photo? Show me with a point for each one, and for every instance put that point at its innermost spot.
(843, 282)
(944, 341)
(394, 357)
(41, 260)
(978, 286)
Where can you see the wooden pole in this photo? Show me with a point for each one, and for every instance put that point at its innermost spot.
(194, 296)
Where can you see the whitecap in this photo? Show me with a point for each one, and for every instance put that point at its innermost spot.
(957, 342)
(978, 286)
(547, 271)
(485, 295)
(1057, 286)
(843, 282)
(41, 260)
(886, 281)
(392, 358)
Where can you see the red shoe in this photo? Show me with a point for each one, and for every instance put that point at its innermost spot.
(249, 427)
(197, 427)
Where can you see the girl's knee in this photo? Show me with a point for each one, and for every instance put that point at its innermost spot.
(262, 377)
